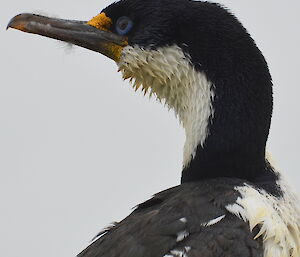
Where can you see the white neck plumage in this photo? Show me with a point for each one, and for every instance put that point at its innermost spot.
(167, 73)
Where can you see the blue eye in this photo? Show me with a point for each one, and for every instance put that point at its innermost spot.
(124, 25)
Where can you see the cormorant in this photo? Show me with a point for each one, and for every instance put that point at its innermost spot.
(199, 60)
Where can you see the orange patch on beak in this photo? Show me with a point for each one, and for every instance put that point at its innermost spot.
(101, 21)
(116, 51)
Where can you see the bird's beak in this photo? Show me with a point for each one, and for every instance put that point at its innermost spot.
(93, 35)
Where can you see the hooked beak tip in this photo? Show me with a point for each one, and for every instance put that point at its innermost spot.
(18, 22)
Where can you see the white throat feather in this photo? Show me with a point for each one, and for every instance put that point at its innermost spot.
(168, 73)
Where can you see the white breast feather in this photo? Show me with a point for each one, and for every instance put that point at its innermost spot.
(167, 73)
(278, 219)
(213, 221)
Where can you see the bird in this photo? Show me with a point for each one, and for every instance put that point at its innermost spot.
(198, 60)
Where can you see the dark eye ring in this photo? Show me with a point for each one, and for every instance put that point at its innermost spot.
(124, 25)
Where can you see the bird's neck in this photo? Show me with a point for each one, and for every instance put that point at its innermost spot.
(236, 130)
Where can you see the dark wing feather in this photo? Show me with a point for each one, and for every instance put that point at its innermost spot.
(172, 223)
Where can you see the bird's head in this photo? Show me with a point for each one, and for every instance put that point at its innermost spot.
(194, 56)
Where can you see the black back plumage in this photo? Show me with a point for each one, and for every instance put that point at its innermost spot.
(153, 227)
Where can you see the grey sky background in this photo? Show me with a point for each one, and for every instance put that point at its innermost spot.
(79, 148)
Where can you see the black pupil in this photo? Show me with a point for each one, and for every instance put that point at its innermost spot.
(123, 24)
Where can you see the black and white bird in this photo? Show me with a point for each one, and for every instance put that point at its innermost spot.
(199, 60)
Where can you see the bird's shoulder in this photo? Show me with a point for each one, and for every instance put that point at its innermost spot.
(186, 220)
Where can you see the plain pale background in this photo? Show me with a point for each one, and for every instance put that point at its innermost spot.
(78, 148)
